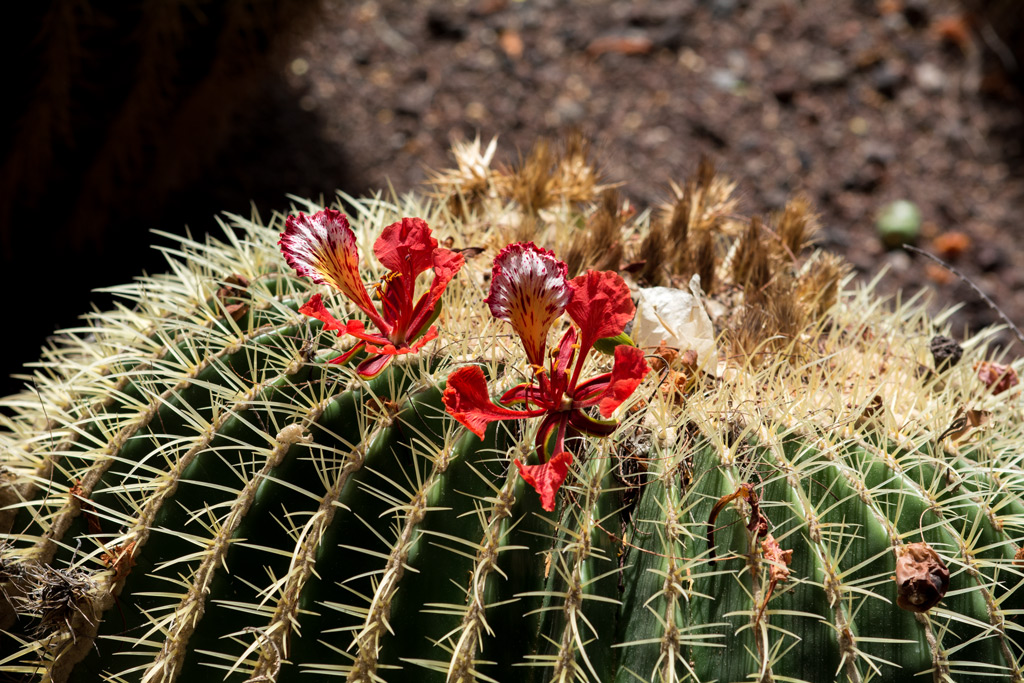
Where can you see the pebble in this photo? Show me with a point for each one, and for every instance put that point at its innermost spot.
(916, 13)
(569, 111)
(724, 79)
(898, 260)
(990, 258)
(864, 179)
(828, 73)
(929, 78)
(721, 9)
(415, 100)
(876, 152)
(887, 78)
(446, 24)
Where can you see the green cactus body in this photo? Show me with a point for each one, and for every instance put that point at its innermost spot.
(289, 521)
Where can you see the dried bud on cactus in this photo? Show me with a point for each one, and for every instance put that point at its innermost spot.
(922, 578)
(946, 352)
(232, 296)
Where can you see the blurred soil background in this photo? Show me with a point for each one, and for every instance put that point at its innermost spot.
(128, 117)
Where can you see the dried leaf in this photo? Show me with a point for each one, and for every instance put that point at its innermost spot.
(680, 371)
(121, 560)
(964, 422)
(998, 378)
(778, 558)
(92, 521)
(231, 293)
(469, 252)
(874, 409)
(922, 578)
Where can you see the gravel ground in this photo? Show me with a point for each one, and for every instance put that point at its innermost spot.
(853, 103)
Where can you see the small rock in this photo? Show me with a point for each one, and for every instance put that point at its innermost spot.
(916, 13)
(445, 24)
(627, 44)
(654, 137)
(929, 78)
(899, 261)
(865, 179)
(877, 152)
(569, 111)
(990, 258)
(721, 9)
(953, 29)
(895, 23)
(828, 73)
(784, 87)
(749, 142)
(887, 78)
(511, 43)
(415, 100)
(776, 198)
(938, 274)
(724, 79)
(951, 245)
(709, 131)
(899, 223)
(485, 8)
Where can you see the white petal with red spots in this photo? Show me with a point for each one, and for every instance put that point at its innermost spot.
(323, 248)
(529, 289)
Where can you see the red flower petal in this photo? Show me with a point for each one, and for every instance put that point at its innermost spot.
(347, 356)
(406, 247)
(582, 422)
(615, 387)
(392, 350)
(521, 393)
(446, 265)
(467, 400)
(529, 289)
(358, 330)
(374, 365)
(315, 308)
(600, 305)
(323, 248)
(562, 362)
(546, 479)
(422, 341)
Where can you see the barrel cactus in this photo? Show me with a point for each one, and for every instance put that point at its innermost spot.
(219, 480)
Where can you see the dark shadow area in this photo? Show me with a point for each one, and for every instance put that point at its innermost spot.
(128, 117)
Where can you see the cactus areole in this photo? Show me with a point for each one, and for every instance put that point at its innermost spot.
(281, 461)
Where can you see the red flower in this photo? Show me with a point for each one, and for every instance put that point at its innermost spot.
(529, 288)
(322, 247)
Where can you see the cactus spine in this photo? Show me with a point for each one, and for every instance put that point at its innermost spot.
(190, 490)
